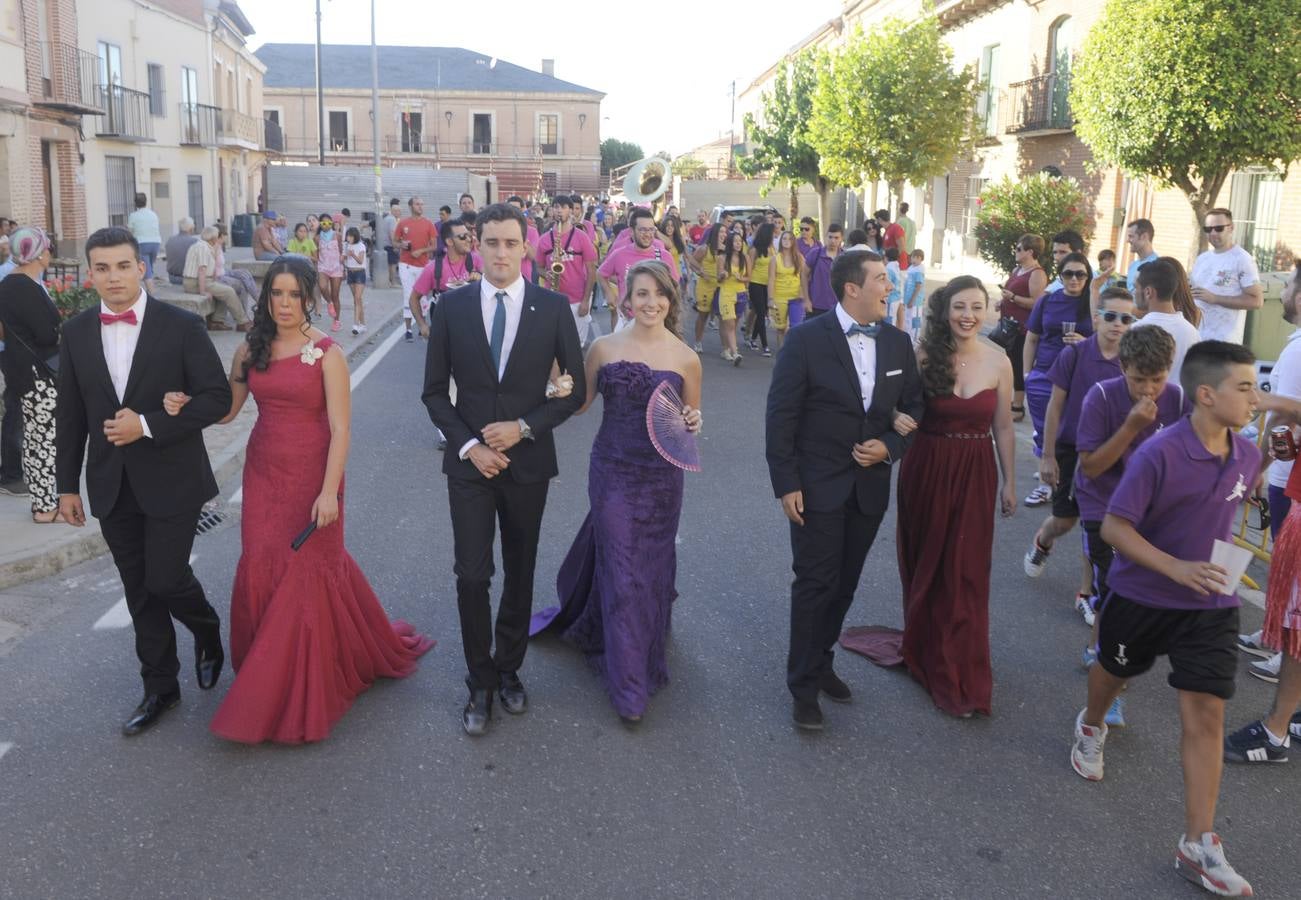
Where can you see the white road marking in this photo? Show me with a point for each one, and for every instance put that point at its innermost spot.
(5, 747)
(118, 615)
(357, 378)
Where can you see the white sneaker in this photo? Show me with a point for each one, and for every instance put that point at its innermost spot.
(699, 348)
(1202, 862)
(726, 354)
(356, 330)
(1084, 606)
(1267, 670)
(1086, 755)
(1250, 643)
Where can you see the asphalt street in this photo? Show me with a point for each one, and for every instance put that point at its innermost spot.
(714, 795)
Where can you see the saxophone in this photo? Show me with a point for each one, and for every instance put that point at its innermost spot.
(557, 267)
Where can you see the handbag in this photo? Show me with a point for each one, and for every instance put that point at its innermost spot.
(1006, 332)
(51, 363)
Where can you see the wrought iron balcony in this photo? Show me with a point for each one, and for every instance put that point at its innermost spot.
(239, 130)
(69, 80)
(198, 125)
(126, 114)
(1039, 105)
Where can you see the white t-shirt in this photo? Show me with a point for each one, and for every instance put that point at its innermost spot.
(1184, 332)
(1227, 274)
(354, 256)
(1285, 381)
(143, 225)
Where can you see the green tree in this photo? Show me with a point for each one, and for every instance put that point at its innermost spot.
(779, 136)
(890, 105)
(616, 153)
(689, 167)
(1186, 91)
(1041, 204)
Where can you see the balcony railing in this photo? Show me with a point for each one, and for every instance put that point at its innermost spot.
(1039, 105)
(198, 125)
(69, 82)
(275, 136)
(240, 129)
(126, 114)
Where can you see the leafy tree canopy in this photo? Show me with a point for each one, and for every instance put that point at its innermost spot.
(616, 153)
(779, 136)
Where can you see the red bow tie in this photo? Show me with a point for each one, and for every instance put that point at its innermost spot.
(129, 317)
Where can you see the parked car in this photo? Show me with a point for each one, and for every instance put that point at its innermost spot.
(740, 212)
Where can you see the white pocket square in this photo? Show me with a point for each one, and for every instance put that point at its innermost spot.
(894, 372)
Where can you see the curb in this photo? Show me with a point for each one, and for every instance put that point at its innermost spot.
(90, 543)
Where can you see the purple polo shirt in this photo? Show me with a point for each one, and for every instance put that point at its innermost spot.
(1181, 498)
(820, 293)
(1046, 319)
(1105, 408)
(1077, 368)
(807, 249)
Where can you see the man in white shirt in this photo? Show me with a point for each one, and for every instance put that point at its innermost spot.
(200, 277)
(1154, 299)
(1225, 281)
(1139, 234)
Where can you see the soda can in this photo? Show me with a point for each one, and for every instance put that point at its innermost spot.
(1282, 443)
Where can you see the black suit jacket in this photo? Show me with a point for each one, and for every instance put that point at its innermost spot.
(815, 415)
(170, 472)
(458, 349)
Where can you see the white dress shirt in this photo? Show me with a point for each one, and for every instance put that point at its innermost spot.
(514, 309)
(119, 342)
(863, 349)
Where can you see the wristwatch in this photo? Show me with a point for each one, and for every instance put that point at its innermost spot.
(525, 432)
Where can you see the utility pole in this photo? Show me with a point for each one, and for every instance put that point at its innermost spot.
(374, 131)
(731, 135)
(320, 97)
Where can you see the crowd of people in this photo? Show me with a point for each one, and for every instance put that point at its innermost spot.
(1137, 389)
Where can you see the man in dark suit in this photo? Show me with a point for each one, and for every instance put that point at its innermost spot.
(838, 385)
(147, 473)
(498, 338)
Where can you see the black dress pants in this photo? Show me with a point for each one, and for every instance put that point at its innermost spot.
(828, 550)
(477, 508)
(152, 555)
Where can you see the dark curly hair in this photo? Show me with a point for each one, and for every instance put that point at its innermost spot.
(263, 331)
(938, 344)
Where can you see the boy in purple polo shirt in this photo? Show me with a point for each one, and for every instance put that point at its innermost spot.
(1077, 368)
(1180, 493)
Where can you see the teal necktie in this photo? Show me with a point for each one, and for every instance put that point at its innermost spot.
(498, 331)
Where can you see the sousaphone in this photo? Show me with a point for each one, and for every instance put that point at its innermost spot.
(647, 180)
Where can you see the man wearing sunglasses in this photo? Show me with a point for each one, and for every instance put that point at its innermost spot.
(807, 242)
(451, 268)
(1225, 281)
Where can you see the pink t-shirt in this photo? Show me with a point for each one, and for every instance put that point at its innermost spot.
(526, 266)
(577, 251)
(454, 275)
(619, 261)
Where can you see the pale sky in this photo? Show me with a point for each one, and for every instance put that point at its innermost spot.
(673, 97)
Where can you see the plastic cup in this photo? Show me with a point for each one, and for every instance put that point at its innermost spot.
(1068, 328)
(1234, 559)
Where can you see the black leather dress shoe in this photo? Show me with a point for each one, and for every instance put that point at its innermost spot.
(149, 711)
(808, 715)
(207, 665)
(834, 688)
(477, 712)
(514, 699)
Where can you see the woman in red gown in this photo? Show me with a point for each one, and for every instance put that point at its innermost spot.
(307, 633)
(948, 489)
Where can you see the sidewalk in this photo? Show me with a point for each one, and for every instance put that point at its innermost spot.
(29, 552)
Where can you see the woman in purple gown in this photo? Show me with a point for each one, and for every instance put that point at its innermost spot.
(617, 584)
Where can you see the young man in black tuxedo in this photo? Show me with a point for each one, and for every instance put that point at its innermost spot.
(147, 473)
(839, 382)
(498, 339)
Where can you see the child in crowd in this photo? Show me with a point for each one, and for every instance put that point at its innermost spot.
(354, 266)
(894, 302)
(914, 293)
(302, 243)
(1179, 494)
(1118, 415)
(1077, 368)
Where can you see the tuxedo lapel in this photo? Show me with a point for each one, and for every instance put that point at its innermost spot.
(884, 347)
(473, 324)
(840, 348)
(528, 320)
(151, 332)
(94, 355)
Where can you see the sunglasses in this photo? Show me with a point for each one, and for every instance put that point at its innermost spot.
(806, 228)
(1074, 273)
(1207, 229)
(1111, 316)
(463, 236)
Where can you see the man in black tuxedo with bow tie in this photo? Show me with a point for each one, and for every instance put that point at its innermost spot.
(147, 473)
(498, 339)
(838, 385)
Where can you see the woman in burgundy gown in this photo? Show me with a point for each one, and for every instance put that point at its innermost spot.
(948, 490)
(617, 584)
(307, 633)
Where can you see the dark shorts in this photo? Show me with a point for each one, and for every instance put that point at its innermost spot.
(393, 256)
(356, 276)
(1100, 554)
(1064, 505)
(1201, 644)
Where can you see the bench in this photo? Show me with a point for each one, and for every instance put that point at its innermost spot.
(175, 295)
(255, 267)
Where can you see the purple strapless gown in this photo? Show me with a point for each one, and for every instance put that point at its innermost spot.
(617, 584)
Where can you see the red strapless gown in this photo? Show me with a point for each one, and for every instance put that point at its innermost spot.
(948, 490)
(307, 633)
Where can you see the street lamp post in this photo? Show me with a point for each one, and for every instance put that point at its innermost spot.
(320, 97)
(374, 131)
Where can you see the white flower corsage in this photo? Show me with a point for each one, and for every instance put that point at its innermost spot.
(311, 353)
(561, 387)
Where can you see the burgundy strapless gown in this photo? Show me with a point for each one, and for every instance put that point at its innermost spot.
(617, 584)
(948, 490)
(307, 633)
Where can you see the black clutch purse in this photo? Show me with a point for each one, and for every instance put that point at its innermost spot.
(1006, 332)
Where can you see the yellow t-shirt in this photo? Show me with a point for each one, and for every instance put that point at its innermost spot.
(731, 283)
(786, 286)
(759, 274)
